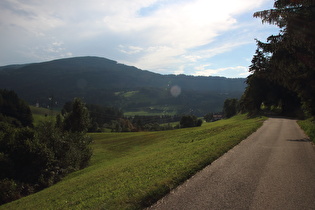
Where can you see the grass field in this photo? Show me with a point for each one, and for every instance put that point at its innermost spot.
(133, 170)
(42, 114)
(152, 111)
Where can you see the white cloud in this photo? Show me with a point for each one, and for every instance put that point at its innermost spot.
(158, 35)
(180, 70)
(130, 49)
(237, 71)
(172, 30)
(159, 57)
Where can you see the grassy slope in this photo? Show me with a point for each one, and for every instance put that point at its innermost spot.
(132, 170)
(42, 114)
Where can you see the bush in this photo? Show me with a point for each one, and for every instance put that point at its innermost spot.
(32, 159)
(190, 121)
(199, 122)
(71, 150)
(14, 110)
(208, 117)
(10, 191)
(230, 107)
(78, 118)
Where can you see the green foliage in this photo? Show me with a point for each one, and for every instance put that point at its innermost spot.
(122, 125)
(153, 123)
(71, 149)
(262, 90)
(133, 170)
(10, 190)
(208, 117)
(102, 116)
(284, 66)
(107, 83)
(157, 127)
(77, 119)
(309, 127)
(14, 110)
(188, 121)
(32, 159)
(230, 107)
(40, 158)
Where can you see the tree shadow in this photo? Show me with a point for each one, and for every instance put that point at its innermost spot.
(300, 140)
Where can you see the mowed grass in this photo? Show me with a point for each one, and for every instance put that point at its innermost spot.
(133, 170)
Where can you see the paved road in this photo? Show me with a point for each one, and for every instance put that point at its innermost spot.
(274, 168)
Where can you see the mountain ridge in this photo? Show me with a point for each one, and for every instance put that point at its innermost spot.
(104, 81)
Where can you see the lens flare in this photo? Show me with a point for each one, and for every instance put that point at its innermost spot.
(175, 91)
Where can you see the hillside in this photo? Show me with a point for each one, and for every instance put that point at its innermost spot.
(133, 170)
(103, 81)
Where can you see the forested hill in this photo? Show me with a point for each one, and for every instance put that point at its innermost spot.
(103, 81)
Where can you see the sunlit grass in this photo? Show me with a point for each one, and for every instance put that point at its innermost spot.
(133, 170)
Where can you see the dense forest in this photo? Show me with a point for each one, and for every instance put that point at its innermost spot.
(106, 82)
(283, 67)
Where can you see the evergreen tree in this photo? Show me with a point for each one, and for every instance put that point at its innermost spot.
(287, 60)
(14, 110)
(230, 107)
(78, 119)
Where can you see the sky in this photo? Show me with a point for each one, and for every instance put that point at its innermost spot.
(192, 37)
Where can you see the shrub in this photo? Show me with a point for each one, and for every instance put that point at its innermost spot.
(32, 159)
(190, 121)
(10, 191)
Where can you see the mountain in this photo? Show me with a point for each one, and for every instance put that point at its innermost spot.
(106, 82)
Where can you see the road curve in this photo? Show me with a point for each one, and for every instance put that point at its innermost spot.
(274, 168)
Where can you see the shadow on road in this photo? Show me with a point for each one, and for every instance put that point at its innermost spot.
(300, 140)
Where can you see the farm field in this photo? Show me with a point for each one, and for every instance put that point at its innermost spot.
(133, 170)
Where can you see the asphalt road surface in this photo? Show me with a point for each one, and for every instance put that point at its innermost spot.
(274, 168)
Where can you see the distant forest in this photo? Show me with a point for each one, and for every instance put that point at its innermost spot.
(105, 82)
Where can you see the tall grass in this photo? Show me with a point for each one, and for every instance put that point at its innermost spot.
(133, 170)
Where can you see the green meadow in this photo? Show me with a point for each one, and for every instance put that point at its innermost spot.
(133, 170)
(42, 114)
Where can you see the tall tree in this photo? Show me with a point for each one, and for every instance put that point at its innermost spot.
(14, 109)
(230, 107)
(289, 58)
(78, 119)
